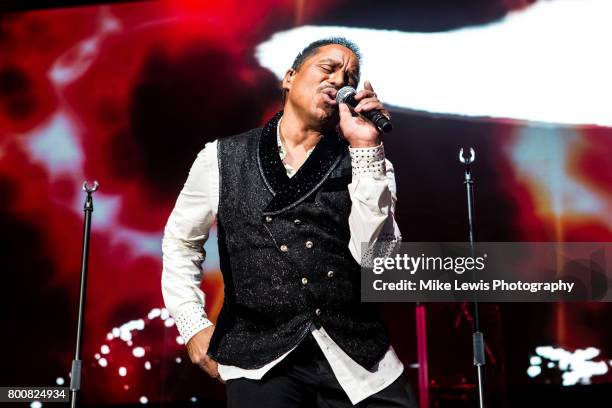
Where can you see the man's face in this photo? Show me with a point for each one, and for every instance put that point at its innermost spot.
(312, 88)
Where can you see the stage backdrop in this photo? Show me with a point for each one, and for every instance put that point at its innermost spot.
(128, 94)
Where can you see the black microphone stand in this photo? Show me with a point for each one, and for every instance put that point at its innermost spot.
(75, 373)
(477, 337)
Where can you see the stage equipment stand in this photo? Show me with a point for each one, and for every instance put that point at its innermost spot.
(75, 373)
(477, 336)
(421, 330)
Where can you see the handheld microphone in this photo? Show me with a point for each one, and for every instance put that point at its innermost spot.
(347, 95)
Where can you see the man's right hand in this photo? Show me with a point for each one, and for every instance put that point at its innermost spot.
(197, 346)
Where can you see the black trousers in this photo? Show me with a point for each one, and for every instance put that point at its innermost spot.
(305, 379)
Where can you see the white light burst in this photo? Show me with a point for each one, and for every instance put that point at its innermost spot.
(577, 367)
(546, 63)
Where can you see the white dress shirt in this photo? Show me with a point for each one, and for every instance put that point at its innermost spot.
(373, 196)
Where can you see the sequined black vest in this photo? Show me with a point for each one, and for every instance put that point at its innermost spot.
(283, 247)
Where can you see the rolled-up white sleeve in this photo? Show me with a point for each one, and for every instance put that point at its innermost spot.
(373, 194)
(185, 233)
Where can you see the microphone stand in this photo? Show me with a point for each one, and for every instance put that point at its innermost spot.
(75, 373)
(477, 336)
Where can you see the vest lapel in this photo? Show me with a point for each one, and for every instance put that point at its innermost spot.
(289, 192)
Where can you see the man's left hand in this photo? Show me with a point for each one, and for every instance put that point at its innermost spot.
(357, 130)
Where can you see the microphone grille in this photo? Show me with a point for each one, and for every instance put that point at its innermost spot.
(344, 93)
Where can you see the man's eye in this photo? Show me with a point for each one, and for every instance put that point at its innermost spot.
(326, 68)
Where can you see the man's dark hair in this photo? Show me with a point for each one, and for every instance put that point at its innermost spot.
(314, 46)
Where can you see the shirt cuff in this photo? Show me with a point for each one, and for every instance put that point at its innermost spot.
(190, 320)
(368, 160)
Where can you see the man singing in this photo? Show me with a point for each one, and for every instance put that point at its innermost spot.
(294, 201)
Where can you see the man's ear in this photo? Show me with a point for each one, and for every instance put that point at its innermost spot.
(288, 79)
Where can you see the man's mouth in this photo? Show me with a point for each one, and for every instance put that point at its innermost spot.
(329, 96)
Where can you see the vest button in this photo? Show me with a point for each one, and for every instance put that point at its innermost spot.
(318, 312)
(330, 274)
(284, 248)
(309, 244)
(304, 281)
(268, 218)
(297, 221)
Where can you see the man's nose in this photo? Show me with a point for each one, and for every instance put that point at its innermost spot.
(338, 79)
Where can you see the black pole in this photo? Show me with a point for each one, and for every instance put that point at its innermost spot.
(477, 336)
(75, 373)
